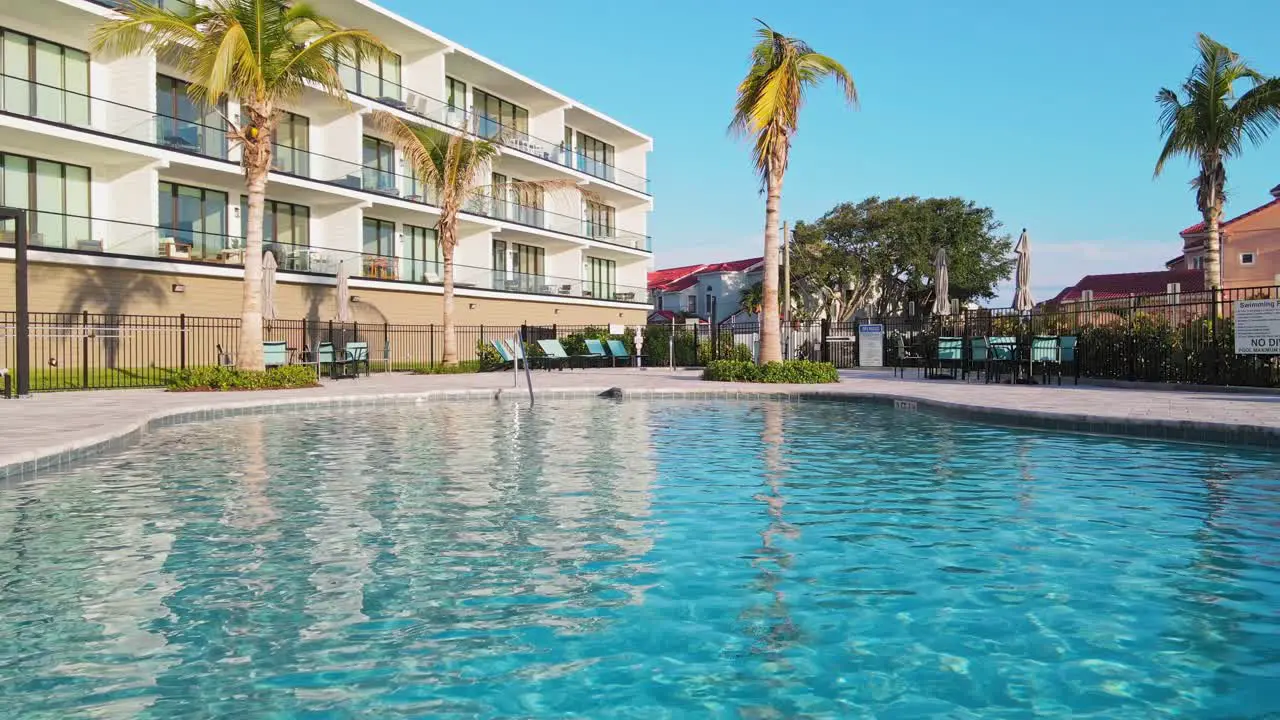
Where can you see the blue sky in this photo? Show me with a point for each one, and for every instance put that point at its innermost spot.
(1042, 111)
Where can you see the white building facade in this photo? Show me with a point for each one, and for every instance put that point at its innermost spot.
(120, 170)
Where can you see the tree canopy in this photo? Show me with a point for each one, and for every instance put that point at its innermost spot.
(882, 251)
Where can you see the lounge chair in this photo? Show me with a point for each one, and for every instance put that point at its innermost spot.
(1067, 343)
(275, 353)
(507, 358)
(619, 352)
(555, 354)
(950, 354)
(354, 355)
(596, 352)
(1004, 354)
(902, 356)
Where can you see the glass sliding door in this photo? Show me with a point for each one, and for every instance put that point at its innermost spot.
(422, 255)
(527, 265)
(595, 157)
(290, 150)
(43, 79)
(58, 196)
(499, 264)
(379, 166)
(379, 249)
(601, 278)
(600, 220)
(286, 233)
(196, 218)
(496, 117)
(183, 125)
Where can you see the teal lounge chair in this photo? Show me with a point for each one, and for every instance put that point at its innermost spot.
(1004, 352)
(596, 352)
(950, 355)
(275, 353)
(979, 358)
(1068, 345)
(1046, 352)
(555, 354)
(507, 358)
(619, 352)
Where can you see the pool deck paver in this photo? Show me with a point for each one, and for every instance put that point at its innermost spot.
(55, 426)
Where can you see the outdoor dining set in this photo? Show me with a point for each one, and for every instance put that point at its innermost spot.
(1022, 359)
(346, 363)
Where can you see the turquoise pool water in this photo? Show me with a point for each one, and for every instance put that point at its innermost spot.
(642, 560)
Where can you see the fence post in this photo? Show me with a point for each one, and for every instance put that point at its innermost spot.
(1215, 345)
(182, 330)
(431, 344)
(1131, 344)
(84, 349)
(825, 353)
(306, 336)
(331, 335)
(386, 345)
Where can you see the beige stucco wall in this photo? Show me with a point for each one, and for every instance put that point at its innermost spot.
(62, 288)
(1258, 234)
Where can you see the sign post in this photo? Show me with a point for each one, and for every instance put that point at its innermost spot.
(1257, 327)
(22, 324)
(871, 346)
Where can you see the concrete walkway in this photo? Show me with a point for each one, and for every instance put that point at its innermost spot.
(47, 429)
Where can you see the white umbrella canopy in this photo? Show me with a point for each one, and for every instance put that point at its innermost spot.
(269, 286)
(1022, 301)
(941, 284)
(344, 293)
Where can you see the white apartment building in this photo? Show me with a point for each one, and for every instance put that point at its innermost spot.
(127, 180)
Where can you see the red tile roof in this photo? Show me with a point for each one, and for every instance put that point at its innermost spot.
(1199, 227)
(679, 278)
(1125, 284)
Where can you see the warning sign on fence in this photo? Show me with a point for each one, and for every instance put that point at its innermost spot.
(1257, 327)
(871, 345)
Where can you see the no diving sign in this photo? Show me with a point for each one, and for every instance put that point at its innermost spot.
(1257, 327)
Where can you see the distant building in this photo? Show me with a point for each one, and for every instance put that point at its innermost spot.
(1122, 285)
(1249, 247)
(710, 291)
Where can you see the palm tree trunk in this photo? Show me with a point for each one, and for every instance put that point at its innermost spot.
(249, 351)
(450, 342)
(770, 332)
(1212, 250)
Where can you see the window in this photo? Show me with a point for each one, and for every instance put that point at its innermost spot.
(594, 157)
(1197, 262)
(1086, 295)
(600, 219)
(422, 254)
(378, 78)
(194, 217)
(183, 125)
(1246, 258)
(710, 301)
(284, 226)
(691, 306)
(659, 302)
(379, 166)
(512, 201)
(499, 263)
(455, 93)
(601, 278)
(57, 193)
(44, 79)
(527, 260)
(495, 116)
(293, 140)
(379, 247)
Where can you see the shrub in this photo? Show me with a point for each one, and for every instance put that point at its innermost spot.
(488, 357)
(226, 378)
(462, 367)
(788, 371)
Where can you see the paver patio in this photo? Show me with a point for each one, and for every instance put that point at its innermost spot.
(56, 423)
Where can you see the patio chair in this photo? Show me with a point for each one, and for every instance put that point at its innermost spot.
(555, 354)
(508, 360)
(902, 356)
(619, 352)
(354, 355)
(1046, 351)
(1003, 354)
(1067, 344)
(224, 358)
(596, 352)
(275, 353)
(979, 357)
(950, 354)
(323, 356)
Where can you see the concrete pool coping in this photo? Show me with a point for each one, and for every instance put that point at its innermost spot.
(63, 428)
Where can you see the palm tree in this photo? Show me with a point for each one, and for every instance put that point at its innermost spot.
(261, 53)
(768, 107)
(453, 167)
(1208, 128)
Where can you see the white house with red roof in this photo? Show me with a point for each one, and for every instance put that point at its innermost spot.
(709, 291)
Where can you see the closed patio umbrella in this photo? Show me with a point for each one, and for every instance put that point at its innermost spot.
(941, 284)
(1022, 301)
(269, 286)
(344, 293)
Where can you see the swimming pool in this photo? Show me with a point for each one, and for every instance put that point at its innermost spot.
(641, 559)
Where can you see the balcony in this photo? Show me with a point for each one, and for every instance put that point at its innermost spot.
(480, 125)
(116, 238)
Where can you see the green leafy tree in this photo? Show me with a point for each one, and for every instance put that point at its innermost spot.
(1211, 124)
(885, 249)
(261, 53)
(768, 109)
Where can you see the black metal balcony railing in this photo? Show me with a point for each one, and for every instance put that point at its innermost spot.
(63, 232)
(398, 96)
(87, 112)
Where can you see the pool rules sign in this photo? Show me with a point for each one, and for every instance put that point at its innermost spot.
(1257, 327)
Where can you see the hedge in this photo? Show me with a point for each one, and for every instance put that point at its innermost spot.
(800, 372)
(227, 378)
